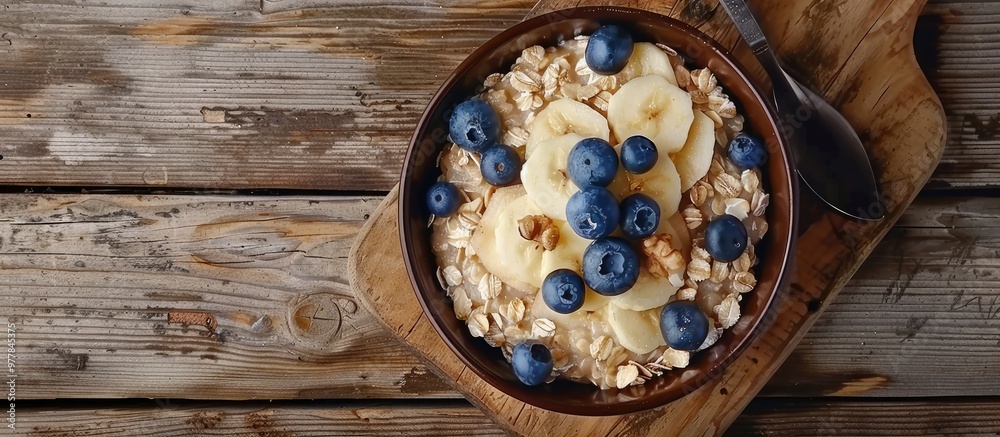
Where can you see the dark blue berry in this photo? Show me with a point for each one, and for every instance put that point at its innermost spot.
(500, 165)
(592, 212)
(443, 199)
(610, 266)
(532, 362)
(592, 161)
(563, 291)
(640, 216)
(747, 152)
(608, 50)
(639, 154)
(726, 238)
(474, 126)
(683, 325)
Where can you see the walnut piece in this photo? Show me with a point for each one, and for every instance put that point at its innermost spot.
(661, 257)
(540, 229)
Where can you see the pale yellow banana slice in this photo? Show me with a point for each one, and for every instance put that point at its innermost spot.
(637, 331)
(499, 245)
(662, 183)
(694, 160)
(566, 116)
(647, 293)
(648, 59)
(545, 177)
(653, 107)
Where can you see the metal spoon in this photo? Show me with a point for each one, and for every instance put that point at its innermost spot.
(830, 157)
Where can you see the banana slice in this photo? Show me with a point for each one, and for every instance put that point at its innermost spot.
(568, 254)
(499, 245)
(647, 293)
(694, 160)
(566, 116)
(653, 107)
(648, 59)
(662, 183)
(677, 227)
(637, 331)
(545, 177)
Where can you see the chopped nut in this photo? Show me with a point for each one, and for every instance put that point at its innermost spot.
(661, 257)
(742, 264)
(453, 276)
(759, 203)
(727, 185)
(676, 359)
(543, 328)
(626, 376)
(720, 271)
(692, 216)
(540, 229)
(687, 293)
(737, 207)
(490, 286)
(744, 282)
(700, 192)
(727, 312)
(699, 270)
(601, 348)
(750, 181)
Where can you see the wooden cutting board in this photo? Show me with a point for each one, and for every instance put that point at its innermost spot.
(860, 55)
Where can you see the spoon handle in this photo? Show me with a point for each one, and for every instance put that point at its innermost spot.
(746, 24)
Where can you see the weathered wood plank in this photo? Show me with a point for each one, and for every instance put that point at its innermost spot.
(203, 297)
(92, 280)
(449, 418)
(771, 417)
(311, 94)
(233, 94)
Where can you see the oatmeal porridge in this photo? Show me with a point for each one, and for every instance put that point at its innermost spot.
(588, 220)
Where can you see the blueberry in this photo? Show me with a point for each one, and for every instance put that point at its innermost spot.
(610, 266)
(532, 362)
(500, 164)
(592, 212)
(640, 216)
(747, 152)
(683, 325)
(726, 238)
(639, 154)
(608, 50)
(592, 161)
(563, 291)
(474, 126)
(443, 199)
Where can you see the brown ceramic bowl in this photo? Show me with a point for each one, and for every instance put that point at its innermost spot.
(420, 171)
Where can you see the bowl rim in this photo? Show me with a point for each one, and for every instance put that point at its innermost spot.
(509, 34)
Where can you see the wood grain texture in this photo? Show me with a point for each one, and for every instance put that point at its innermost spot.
(452, 418)
(193, 297)
(920, 318)
(321, 94)
(225, 94)
(830, 248)
(770, 417)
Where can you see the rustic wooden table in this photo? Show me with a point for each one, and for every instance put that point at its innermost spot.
(182, 181)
